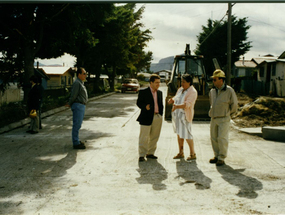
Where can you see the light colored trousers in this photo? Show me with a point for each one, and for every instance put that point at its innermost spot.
(34, 125)
(220, 136)
(149, 135)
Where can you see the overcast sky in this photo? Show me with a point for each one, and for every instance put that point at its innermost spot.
(174, 25)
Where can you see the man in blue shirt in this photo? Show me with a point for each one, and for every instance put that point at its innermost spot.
(77, 102)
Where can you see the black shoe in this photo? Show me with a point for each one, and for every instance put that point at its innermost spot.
(213, 160)
(33, 132)
(151, 156)
(80, 146)
(220, 163)
(141, 159)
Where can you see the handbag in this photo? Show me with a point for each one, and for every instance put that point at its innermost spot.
(33, 114)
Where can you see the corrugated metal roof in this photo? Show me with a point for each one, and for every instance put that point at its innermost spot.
(245, 63)
(144, 74)
(270, 61)
(280, 60)
(259, 60)
(50, 70)
(282, 56)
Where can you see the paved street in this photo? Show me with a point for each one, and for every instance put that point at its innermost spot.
(42, 174)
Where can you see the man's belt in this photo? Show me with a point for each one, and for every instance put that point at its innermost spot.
(83, 103)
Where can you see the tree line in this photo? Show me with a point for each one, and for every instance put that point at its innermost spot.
(104, 36)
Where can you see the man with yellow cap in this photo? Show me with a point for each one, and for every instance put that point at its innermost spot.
(223, 102)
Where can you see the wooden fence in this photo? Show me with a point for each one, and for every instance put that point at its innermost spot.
(255, 87)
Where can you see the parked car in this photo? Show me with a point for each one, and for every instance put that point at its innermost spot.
(130, 84)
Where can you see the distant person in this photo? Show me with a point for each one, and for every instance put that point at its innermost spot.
(150, 118)
(33, 103)
(223, 102)
(182, 115)
(77, 102)
(41, 90)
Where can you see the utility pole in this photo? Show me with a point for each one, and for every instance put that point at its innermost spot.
(229, 51)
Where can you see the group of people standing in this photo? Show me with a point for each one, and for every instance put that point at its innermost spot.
(223, 102)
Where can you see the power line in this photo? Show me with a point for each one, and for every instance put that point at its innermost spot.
(213, 30)
(215, 27)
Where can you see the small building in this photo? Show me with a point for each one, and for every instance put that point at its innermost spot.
(11, 94)
(164, 75)
(44, 78)
(264, 67)
(272, 74)
(104, 80)
(244, 68)
(145, 75)
(59, 76)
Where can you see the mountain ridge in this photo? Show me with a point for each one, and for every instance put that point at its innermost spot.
(163, 64)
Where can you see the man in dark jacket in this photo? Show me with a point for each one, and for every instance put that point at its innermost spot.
(150, 102)
(34, 104)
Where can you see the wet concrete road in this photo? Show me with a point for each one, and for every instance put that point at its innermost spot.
(42, 174)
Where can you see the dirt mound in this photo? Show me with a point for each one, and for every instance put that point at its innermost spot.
(260, 111)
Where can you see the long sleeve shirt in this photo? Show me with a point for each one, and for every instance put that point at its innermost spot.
(78, 93)
(189, 101)
(223, 102)
(154, 94)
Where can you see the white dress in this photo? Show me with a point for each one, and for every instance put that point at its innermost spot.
(180, 124)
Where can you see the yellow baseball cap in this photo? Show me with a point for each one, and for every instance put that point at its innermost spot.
(218, 73)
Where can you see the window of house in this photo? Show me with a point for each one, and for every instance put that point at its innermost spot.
(274, 69)
(261, 72)
(248, 72)
(63, 79)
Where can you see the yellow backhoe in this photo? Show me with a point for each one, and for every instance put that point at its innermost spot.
(193, 65)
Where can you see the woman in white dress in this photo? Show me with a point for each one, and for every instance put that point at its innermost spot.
(182, 115)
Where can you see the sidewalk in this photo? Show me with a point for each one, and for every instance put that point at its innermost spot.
(45, 114)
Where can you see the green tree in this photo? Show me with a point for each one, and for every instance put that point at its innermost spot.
(22, 35)
(88, 44)
(122, 42)
(86, 20)
(143, 64)
(212, 42)
(41, 30)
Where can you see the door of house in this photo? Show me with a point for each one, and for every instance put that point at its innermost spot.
(268, 73)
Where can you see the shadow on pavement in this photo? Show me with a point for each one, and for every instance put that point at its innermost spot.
(247, 185)
(104, 108)
(192, 174)
(36, 164)
(152, 172)
(32, 169)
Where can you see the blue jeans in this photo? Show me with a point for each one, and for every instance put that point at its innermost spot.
(78, 115)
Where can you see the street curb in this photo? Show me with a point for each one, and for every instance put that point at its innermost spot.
(252, 131)
(45, 114)
(275, 133)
